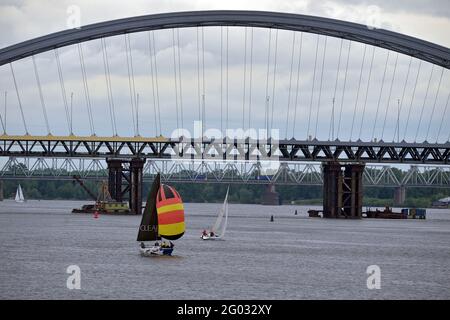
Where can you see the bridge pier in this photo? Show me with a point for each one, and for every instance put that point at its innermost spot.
(270, 196)
(342, 190)
(136, 168)
(115, 179)
(399, 195)
(118, 178)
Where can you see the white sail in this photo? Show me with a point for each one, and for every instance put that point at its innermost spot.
(223, 211)
(225, 208)
(19, 194)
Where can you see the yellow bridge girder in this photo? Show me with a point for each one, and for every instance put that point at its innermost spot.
(93, 138)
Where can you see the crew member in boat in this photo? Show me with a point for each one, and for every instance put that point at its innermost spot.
(204, 233)
(211, 234)
(142, 245)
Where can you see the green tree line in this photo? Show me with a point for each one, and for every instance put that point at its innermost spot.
(214, 192)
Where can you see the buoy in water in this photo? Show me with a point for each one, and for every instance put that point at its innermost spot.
(271, 218)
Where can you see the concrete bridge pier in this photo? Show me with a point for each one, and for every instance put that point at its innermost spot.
(342, 190)
(125, 183)
(399, 195)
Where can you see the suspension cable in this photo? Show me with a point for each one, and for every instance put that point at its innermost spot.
(397, 125)
(153, 82)
(18, 99)
(434, 104)
(424, 101)
(245, 76)
(343, 90)
(357, 92)
(412, 99)
(137, 113)
(367, 92)
(198, 79)
(108, 86)
(290, 84)
(334, 94)
(312, 91)
(320, 86)
(86, 88)
(274, 79)
(442, 119)
(175, 79)
(221, 77)
(156, 81)
(131, 81)
(226, 77)
(63, 89)
(250, 80)
(203, 80)
(266, 111)
(1, 119)
(44, 111)
(381, 93)
(297, 85)
(179, 79)
(389, 96)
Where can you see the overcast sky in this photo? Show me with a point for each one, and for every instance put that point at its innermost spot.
(425, 106)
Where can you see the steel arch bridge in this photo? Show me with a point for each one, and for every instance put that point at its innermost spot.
(287, 150)
(381, 38)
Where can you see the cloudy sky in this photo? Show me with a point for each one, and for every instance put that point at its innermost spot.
(300, 94)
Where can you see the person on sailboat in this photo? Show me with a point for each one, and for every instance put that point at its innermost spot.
(142, 245)
(204, 233)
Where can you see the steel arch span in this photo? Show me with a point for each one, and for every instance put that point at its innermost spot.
(407, 45)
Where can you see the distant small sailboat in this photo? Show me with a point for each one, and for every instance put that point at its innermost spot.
(163, 217)
(19, 195)
(218, 229)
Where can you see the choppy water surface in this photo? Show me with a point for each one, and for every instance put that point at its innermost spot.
(294, 257)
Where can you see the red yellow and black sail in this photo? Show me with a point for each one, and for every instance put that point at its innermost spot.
(169, 207)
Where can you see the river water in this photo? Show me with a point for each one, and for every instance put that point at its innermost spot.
(294, 257)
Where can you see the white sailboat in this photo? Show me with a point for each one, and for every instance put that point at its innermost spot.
(218, 229)
(19, 194)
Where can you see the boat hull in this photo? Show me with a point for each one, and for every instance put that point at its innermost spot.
(155, 251)
(209, 237)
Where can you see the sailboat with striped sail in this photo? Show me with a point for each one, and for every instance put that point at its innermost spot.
(162, 220)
